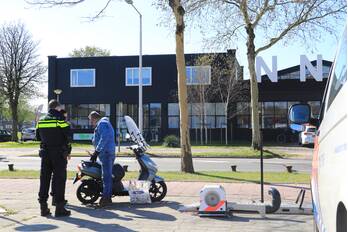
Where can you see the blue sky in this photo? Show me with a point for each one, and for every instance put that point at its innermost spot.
(62, 29)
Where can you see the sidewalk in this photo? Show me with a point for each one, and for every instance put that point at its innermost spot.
(19, 199)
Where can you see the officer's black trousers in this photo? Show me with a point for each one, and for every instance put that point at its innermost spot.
(52, 162)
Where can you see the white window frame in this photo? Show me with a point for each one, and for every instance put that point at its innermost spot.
(189, 79)
(137, 68)
(84, 69)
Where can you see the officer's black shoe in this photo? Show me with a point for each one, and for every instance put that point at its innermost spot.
(61, 211)
(44, 210)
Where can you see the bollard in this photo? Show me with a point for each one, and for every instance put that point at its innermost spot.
(10, 167)
(234, 168)
(289, 168)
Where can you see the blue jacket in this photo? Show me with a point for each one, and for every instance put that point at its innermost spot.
(104, 137)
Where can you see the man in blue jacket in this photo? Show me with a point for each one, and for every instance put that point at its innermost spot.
(104, 144)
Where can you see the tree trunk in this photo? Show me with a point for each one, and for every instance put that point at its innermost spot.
(186, 155)
(254, 92)
(226, 132)
(14, 113)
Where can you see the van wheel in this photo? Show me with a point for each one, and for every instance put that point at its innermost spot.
(341, 218)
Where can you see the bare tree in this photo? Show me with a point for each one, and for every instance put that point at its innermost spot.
(226, 84)
(198, 96)
(178, 11)
(20, 68)
(265, 23)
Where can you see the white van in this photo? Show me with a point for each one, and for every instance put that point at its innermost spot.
(329, 180)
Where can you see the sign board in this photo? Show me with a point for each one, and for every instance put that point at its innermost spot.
(315, 71)
(82, 136)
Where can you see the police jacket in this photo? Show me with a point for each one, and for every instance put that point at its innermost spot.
(53, 131)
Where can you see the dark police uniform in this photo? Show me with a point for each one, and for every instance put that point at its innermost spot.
(55, 136)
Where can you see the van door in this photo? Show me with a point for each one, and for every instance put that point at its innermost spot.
(333, 143)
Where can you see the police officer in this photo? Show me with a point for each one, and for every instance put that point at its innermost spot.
(54, 133)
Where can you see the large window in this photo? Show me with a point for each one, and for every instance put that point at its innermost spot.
(296, 75)
(82, 78)
(315, 108)
(243, 115)
(198, 75)
(78, 114)
(173, 115)
(151, 119)
(132, 76)
(280, 115)
(209, 115)
(272, 114)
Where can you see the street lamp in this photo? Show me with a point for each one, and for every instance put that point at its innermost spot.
(58, 92)
(140, 107)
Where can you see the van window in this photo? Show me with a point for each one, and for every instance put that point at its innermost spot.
(339, 74)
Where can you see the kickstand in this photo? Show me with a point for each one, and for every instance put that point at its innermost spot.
(301, 195)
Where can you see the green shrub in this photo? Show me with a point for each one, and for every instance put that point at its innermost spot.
(171, 141)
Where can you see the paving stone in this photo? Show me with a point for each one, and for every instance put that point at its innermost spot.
(20, 197)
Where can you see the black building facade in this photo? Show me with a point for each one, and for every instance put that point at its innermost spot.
(110, 86)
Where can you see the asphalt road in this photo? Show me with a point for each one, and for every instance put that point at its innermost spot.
(173, 164)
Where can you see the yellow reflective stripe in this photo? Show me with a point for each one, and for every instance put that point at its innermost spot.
(48, 125)
(52, 124)
(63, 125)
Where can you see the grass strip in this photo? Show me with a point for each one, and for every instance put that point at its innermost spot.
(251, 177)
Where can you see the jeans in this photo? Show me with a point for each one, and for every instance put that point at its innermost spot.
(107, 162)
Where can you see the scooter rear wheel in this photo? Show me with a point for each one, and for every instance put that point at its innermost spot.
(88, 192)
(158, 191)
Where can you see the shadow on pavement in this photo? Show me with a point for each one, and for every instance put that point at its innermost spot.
(34, 227)
(93, 225)
(97, 213)
(146, 214)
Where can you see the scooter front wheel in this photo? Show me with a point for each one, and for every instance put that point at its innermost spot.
(87, 192)
(158, 191)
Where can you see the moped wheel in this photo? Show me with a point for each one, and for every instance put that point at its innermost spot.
(88, 192)
(158, 191)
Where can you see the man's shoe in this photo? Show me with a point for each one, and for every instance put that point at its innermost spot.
(44, 210)
(105, 201)
(61, 211)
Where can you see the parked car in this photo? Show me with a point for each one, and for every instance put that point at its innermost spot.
(28, 134)
(5, 136)
(329, 184)
(307, 136)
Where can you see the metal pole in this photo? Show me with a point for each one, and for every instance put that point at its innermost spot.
(120, 114)
(140, 106)
(140, 79)
(261, 162)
